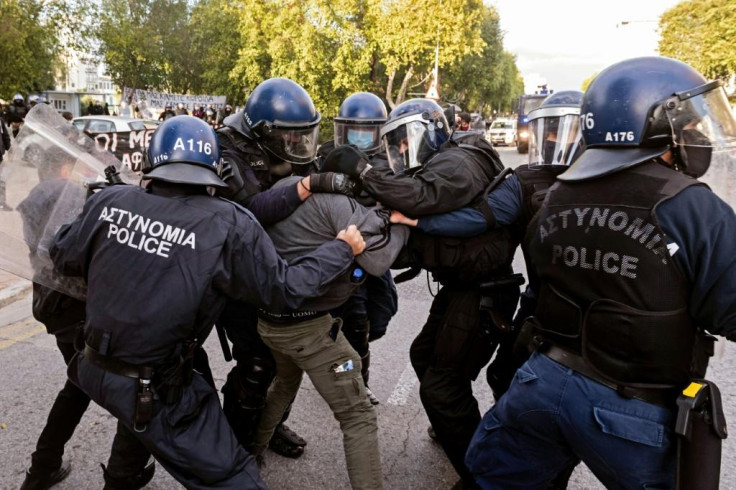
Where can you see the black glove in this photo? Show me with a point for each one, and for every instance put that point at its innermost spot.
(230, 174)
(347, 159)
(331, 182)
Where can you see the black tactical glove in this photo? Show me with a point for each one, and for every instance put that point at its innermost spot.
(230, 174)
(331, 182)
(348, 160)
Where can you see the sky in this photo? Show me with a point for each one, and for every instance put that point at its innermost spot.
(563, 42)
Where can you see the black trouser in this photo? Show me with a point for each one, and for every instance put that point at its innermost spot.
(244, 394)
(126, 459)
(447, 356)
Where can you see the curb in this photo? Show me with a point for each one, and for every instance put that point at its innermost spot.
(14, 292)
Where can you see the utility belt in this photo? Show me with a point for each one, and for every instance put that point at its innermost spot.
(499, 297)
(663, 397)
(161, 382)
(289, 318)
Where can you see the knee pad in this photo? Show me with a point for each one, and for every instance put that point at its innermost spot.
(248, 382)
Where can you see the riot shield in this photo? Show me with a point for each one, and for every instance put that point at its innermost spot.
(721, 175)
(46, 174)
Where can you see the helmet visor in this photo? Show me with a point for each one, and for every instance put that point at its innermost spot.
(293, 145)
(554, 140)
(406, 145)
(363, 136)
(704, 119)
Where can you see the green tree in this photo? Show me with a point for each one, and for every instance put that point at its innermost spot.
(702, 33)
(31, 41)
(486, 80)
(147, 44)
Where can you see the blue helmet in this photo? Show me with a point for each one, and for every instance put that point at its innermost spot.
(414, 131)
(281, 115)
(554, 129)
(638, 109)
(184, 150)
(359, 120)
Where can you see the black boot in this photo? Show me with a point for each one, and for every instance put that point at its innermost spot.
(286, 442)
(42, 481)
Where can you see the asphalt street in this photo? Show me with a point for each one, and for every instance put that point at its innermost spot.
(33, 372)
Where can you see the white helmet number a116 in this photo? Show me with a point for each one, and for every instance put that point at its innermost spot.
(193, 145)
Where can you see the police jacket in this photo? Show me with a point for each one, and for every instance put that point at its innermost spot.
(17, 112)
(4, 138)
(260, 173)
(319, 219)
(628, 275)
(451, 179)
(160, 264)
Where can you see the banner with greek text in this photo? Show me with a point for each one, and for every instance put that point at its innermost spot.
(159, 100)
(127, 147)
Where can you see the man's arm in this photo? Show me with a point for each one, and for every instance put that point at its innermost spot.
(704, 250)
(505, 202)
(253, 272)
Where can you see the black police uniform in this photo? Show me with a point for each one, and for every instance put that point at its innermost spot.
(454, 344)
(62, 315)
(244, 392)
(16, 114)
(159, 265)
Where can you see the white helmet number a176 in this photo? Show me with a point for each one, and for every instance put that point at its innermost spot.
(193, 145)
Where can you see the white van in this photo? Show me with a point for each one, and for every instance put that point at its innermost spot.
(502, 131)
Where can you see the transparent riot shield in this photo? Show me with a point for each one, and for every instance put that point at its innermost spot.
(47, 174)
(721, 175)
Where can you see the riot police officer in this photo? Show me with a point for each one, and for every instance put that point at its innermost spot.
(430, 173)
(16, 113)
(61, 314)
(177, 253)
(367, 313)
(630, 277)
(554, 142)
(274, 136)
(167, 113)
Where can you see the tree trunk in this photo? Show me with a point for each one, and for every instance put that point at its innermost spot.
(389, 89)
(402, 90)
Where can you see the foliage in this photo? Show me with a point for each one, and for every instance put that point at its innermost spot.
(702, 33)
(331, 47)
(31, 47)
(586, 83)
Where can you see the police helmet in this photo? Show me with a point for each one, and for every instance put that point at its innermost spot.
(638, 109)
(359, 120)
(281, 114)
(33, 99)
(414, 131)
(554, 129)
(17, 98)
(184, 150)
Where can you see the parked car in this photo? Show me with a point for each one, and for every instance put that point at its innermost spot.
(112, 124)
(502, 131)
(124, 137)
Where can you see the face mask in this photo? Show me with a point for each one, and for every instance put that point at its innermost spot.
(361, 139)
(548, 152)
(695, 152)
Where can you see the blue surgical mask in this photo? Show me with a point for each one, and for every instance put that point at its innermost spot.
(361, 139)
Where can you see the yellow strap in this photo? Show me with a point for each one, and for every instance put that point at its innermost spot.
(692, 390)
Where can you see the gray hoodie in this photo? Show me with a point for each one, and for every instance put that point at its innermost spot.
(319, 219)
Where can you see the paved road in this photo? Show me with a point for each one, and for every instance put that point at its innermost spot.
(32, 373)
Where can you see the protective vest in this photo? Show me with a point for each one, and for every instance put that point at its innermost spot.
(471, 260)
(610, 289)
